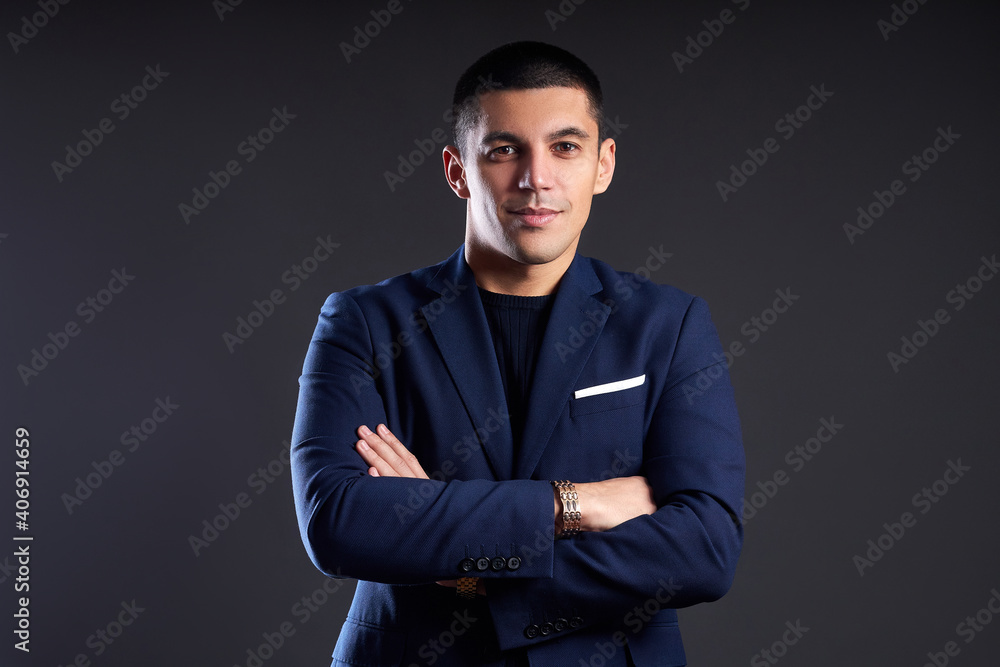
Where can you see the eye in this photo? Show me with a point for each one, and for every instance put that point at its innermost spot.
(503, 150)
(566, 147)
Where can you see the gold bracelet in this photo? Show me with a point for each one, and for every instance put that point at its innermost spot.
(467, 587)
(571, 507)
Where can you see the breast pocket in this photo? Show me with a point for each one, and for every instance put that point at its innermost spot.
(609, 396)
(606, 434)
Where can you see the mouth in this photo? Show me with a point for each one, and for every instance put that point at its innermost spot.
(535, 217)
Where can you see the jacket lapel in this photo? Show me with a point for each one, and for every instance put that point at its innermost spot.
(458, 323)
(575, 324)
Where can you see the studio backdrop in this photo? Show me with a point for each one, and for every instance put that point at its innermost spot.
(183, 183)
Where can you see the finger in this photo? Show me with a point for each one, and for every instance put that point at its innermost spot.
(389, 461)
(374, 461)
(400, 449)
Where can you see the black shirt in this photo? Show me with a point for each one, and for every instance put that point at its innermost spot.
(517, 324)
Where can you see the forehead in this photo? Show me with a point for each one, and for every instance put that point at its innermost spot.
(535, 111)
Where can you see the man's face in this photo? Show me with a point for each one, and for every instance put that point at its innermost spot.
(529, 169)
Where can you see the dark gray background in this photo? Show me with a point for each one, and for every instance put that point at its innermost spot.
(679, 132)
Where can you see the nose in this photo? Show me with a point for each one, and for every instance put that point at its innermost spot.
(537, 172)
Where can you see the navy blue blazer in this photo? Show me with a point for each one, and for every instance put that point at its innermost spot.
(630, 380)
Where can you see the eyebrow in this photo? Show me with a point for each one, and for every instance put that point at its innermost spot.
(510, 137)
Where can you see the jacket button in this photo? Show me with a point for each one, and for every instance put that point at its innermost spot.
(531, 631)
(498, 563)
(483, 564)
(466, 565)
(546, 629)
(513, 563)
(575, 622)
(560, 624)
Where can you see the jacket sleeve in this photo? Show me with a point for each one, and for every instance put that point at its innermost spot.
(385, 529)
(682, 554)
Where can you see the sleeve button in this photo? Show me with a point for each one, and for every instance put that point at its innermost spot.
(513, 563)
(531, 631)
(483, 564)
(466, 565)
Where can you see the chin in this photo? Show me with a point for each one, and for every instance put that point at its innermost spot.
(536, 255)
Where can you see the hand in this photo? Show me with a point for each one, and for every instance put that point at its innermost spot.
(606, 504)
(387, 457)
(385, 454)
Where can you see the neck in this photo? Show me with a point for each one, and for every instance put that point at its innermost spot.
(501, 274)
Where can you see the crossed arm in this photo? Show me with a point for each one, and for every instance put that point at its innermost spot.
(604, 504)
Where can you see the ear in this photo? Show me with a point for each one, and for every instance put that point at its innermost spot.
(605, 166)
(454, 171)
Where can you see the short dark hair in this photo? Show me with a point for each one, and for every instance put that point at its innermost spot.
(523, 66)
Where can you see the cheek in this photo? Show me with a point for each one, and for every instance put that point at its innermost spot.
(581, 194)
(480, 189)
(489, 185)
(579, 182)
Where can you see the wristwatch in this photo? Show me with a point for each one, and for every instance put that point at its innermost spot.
(570, 506)
(467, 587)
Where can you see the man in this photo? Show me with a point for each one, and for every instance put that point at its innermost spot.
(578, 422)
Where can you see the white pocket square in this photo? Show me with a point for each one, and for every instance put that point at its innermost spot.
(618, 385)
